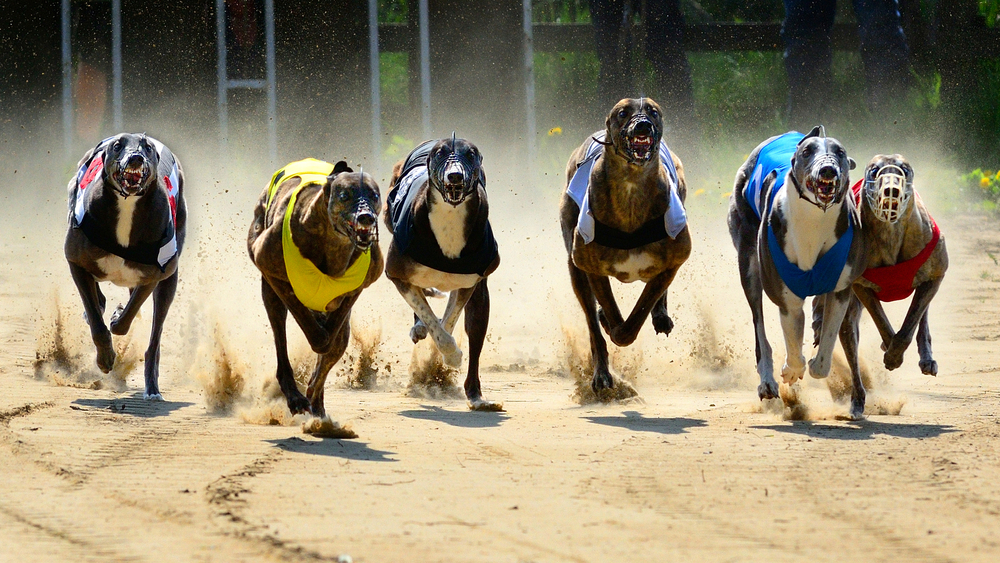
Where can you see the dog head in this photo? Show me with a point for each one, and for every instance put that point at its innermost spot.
(821, 169)
(888, 186)
(634, 128)
(130, 163)
(455, 169)
(353, 205)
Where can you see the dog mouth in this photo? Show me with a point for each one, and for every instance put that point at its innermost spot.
(824, 188)
(640, 147)
(453, 194)
(131, 178)
(364, 230)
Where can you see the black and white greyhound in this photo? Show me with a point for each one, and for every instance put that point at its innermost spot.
(126, 226)
(792, 220)
(442, 240)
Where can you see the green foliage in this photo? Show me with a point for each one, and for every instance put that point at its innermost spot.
(990, 10)
(985, 185)
(394, 78)
(392, 11)
(560, 11)
(398, 147)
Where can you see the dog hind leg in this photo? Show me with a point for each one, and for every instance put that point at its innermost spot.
(834, 310)
(849, 341)
(419, 330)
(608, 312)
(324, 363)
(914, 315)
(754, 292)
(94, 310)
(457, 302)
(277, 314)
(445, 343)
(626, 333)
(927, 364)
(598, 346)
(874, 306)
(163, 296)
(121, 319)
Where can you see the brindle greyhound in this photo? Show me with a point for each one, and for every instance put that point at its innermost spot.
(792, 220)
(442, 240)
(127, 217)
(314, 238)
(905, 252)
(631, 190)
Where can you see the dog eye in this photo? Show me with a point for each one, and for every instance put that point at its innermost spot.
(343, 195)
(118, 145)
(653, 113)
(622, 113)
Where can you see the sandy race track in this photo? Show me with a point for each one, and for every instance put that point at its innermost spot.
(697, 470)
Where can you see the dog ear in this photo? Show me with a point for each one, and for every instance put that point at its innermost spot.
(852, 163)
(314, 212)
(340, 167)
(818, 131)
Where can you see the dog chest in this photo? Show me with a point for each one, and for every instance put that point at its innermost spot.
(126, 211)
(425, 277)
(448, 223)
(116, 272)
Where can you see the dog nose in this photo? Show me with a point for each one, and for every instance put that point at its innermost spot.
(365, 219)
(828, 172)
(455, 177)
(134, 161)
(644, 127)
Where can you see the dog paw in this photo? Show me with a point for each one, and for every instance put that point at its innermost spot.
(453, 359)
(482, 405)
(819, 368)
(892, 358)
(298, 404)
(928, 367)
(418, 332)
(791, 374)
(767, 390)
(662, 324)
(857, 411)
(115, 324)
(602, 381)
(106, 356)
(152, 397)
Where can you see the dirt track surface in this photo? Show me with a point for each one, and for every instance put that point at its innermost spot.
(697, 471)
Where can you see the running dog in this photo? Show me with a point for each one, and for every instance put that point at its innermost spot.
(126, 225)
(622, 215)
(906, 252)
(442, 240)
(315, 255)
(792, 220)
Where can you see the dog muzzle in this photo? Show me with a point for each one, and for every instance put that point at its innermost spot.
(364, 226)
(132, 175)
(888, 193)
(455, 181)
(825, 183)
(640, 139)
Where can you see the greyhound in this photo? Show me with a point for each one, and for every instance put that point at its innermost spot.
(622, 215)
(314, 238)
(442, 240)
(126, 225)
(792, 220)
(905, 252)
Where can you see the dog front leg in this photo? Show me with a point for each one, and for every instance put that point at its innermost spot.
(477, 320)
(445, 343)
(918, 306)
(627, 332)
(277, 314)
(662, 323)
(927, 364)
(324, 363)
(163, 296)
(849, 341)
(121, 319)
(874, 306)
(457, 302)
(834, 309)
(609, 314)
(793, 322)
(92, 306)
(598, 346)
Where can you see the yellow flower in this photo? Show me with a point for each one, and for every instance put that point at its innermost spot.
(997, 177)
(699, 192)
(555, 131)
(984, 182)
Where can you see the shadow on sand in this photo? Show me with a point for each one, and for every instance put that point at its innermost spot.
(462, 419)
(860, 430)
(134, 405)
(346, 449)
(634, 421)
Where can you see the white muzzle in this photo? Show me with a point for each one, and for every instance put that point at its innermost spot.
(888, 194)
